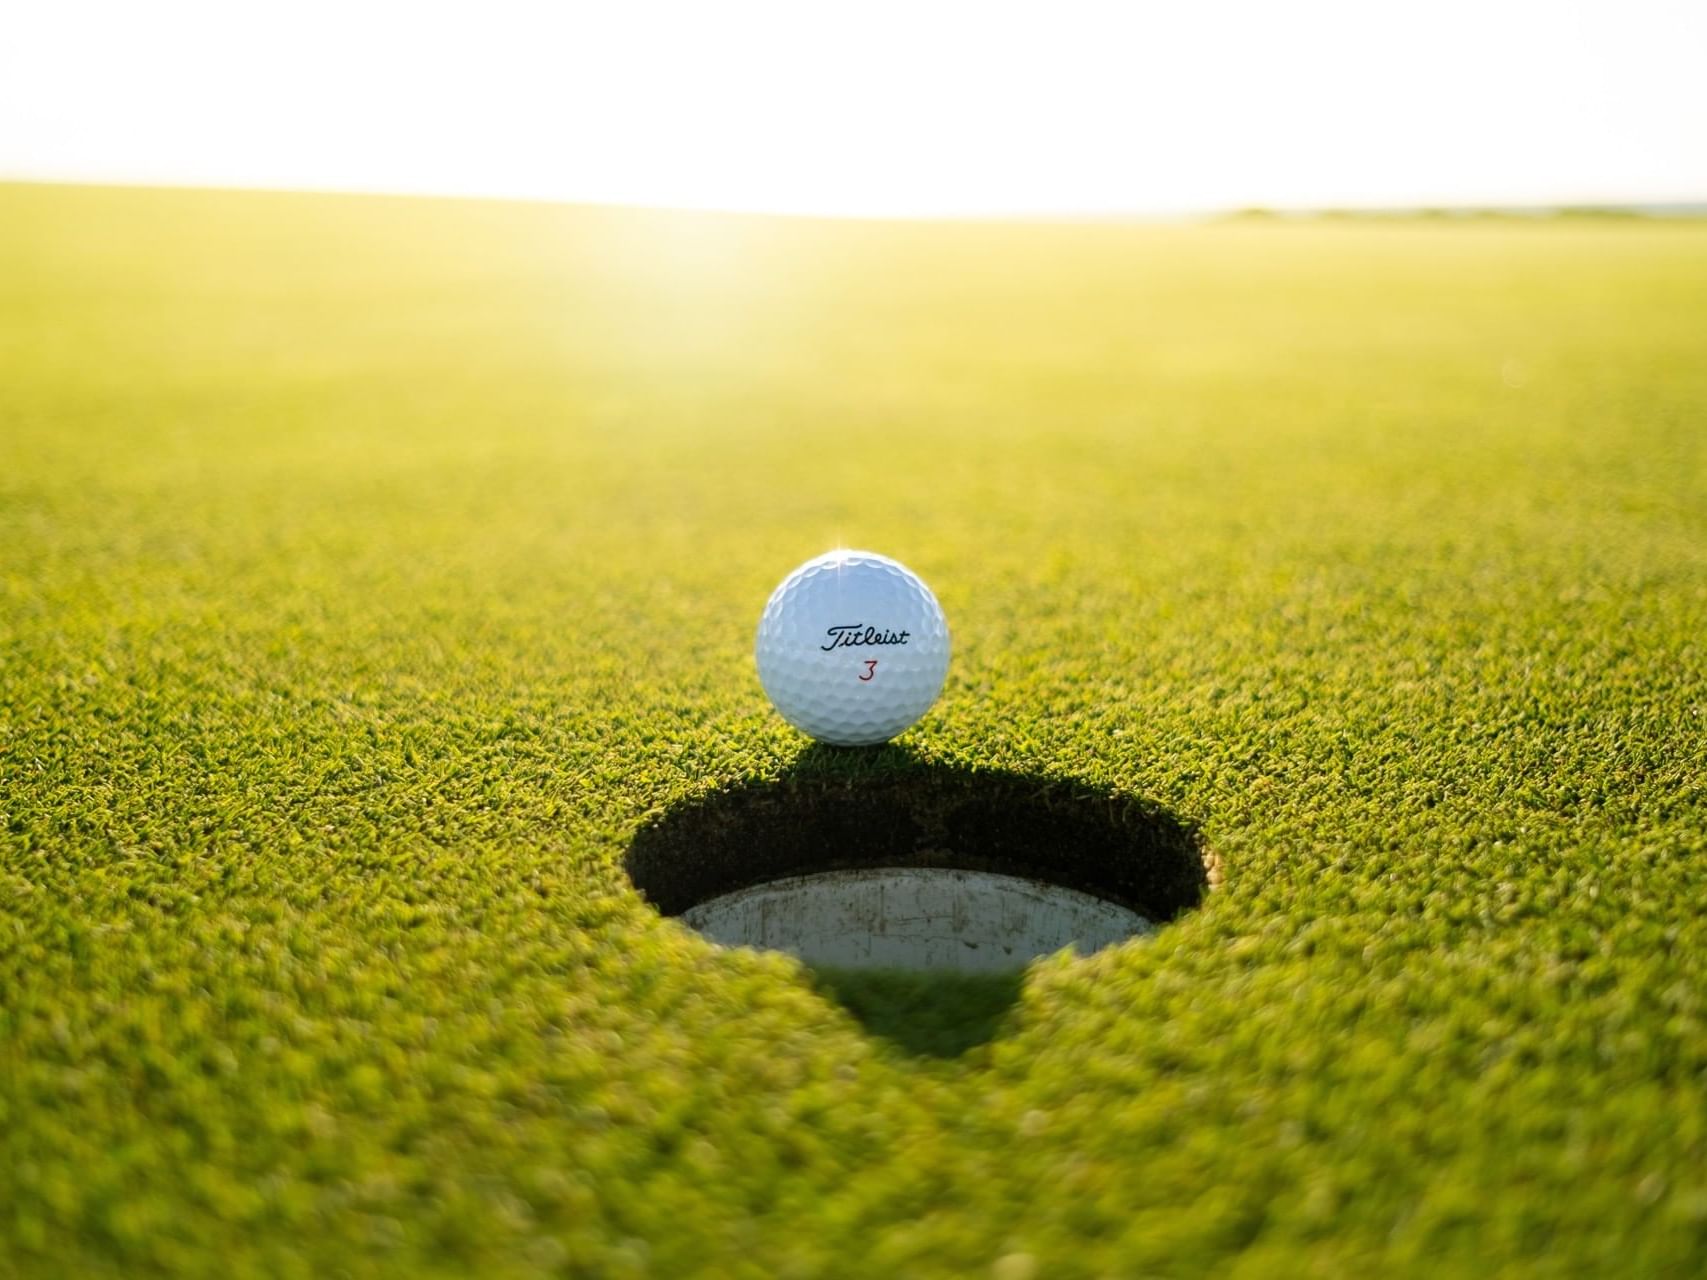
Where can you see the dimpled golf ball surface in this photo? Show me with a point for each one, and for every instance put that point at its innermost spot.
(852, 648)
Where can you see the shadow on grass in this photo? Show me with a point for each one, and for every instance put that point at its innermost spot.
(934, 1015)
(839, 809)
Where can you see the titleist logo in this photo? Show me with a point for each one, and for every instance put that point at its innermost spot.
(857, 633)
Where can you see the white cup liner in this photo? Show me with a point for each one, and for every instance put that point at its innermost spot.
(919, 918)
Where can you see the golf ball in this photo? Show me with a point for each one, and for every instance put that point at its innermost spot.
(852, 648)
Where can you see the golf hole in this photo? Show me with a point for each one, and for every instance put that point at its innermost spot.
(870, 861)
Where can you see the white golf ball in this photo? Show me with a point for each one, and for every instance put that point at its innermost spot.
(852, 648)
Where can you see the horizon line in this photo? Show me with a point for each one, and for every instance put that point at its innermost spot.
(1657, 208)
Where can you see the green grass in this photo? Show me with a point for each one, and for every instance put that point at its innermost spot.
(371, 571)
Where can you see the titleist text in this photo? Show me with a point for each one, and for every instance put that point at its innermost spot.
(851, 634)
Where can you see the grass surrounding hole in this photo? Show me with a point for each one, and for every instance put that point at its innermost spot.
(371, 569)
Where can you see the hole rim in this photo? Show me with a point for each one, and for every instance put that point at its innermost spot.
(845, 810)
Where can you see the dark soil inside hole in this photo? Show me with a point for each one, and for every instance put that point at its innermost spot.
(839, 812)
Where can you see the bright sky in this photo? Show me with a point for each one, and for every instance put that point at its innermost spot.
(873, 108)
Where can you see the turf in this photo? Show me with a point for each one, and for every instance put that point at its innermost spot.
(372, 571)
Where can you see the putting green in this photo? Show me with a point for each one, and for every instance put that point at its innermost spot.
(373, 571)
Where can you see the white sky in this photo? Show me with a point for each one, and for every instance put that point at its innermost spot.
(912, 108)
